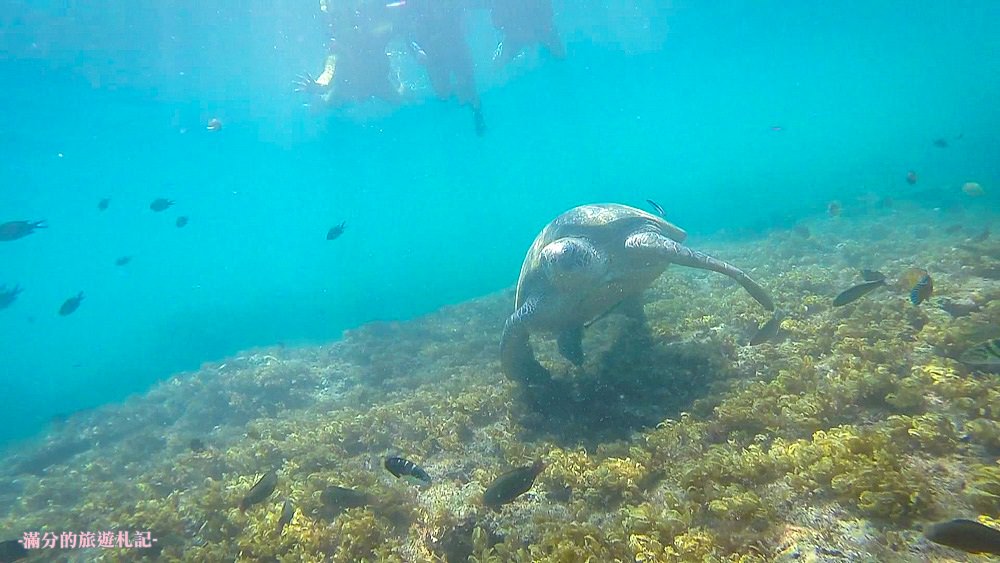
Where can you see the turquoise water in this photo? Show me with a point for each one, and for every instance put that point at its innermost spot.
(674, 103)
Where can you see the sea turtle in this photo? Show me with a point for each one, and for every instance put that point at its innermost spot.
(585, 262)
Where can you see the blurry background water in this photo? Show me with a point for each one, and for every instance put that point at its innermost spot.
(673, 101)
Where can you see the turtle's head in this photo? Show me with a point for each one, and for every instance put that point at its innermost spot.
(570, 261)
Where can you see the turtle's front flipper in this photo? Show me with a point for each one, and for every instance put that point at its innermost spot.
(516, 356)
(679, 254)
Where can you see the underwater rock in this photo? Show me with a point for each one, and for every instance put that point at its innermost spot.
(50, 455)
(457, 544)
(959, 307)
(985, 354)
(336, 499)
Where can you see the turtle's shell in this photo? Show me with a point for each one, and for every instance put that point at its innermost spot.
(606, 225)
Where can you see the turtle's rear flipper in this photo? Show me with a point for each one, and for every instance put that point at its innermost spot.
(516, 356)
(679, 254)
(571, 344)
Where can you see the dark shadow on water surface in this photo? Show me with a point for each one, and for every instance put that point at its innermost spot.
(635, 384)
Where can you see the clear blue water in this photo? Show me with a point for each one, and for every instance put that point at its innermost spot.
(673, 101)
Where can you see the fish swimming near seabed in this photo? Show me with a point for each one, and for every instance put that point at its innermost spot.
(968, 535)
(922, 290)
(287, 513)
(872, 275)
(982, 236)
(856, 292)
(260, 491)
(511, 485)
(768, 330)
(406, 469)
(984, 354)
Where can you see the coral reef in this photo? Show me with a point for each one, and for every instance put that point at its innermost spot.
(674, 442)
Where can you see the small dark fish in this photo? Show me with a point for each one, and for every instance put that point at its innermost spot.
(401, 467)
(161, 204)
(656, 206)
(335, 232)
(872, 275)
(103, 204)
(941, 143)
(181, 221)
(121, 261)
(921, 290)
(856, 292)
(768, 330)
(953, 229)
(214, 124)
(8, 296)
(338, 499)
(479, 121)
(983, 354)
(981, 237)
(260, 491)
(13, 230)
(196, 445)
(511, 485)
(911, 177)
(833, 209)
(802, 230)
(71, 305)
(12, 550)
(287, 513)
(968, 535)
(59, 419)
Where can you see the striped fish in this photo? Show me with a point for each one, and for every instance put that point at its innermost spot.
(983, 354)
(406, 469)
(921, 290)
